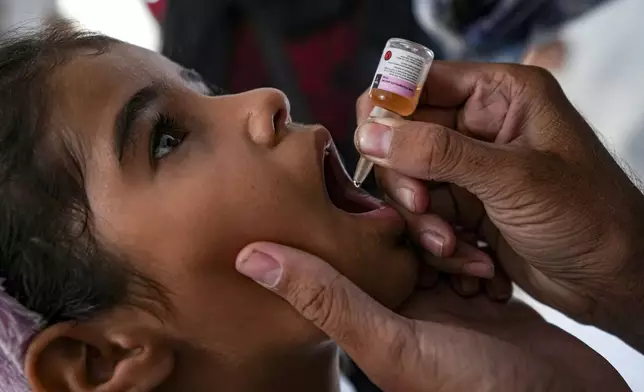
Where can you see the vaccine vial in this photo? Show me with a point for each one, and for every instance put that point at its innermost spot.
(400, 76)
(396, 87)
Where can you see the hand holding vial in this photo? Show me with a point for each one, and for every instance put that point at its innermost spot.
(498, 150)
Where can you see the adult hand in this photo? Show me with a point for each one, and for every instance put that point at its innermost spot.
(529, 175)
(445, 343)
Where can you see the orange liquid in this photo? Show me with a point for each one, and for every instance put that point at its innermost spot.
(394, 102)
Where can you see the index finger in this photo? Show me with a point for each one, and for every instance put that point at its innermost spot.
(446, 117)
(450, 84)
(363, 107)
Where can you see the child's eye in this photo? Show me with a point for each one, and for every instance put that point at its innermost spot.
(165, 142)
(165, 138)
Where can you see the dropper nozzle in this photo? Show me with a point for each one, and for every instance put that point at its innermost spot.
(362, 171)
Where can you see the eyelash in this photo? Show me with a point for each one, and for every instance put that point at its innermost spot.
(165, 125)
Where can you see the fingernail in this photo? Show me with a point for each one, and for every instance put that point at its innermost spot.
(479, 269)
(433, 242)
(374, 139)
(260, 267)
(407, 197)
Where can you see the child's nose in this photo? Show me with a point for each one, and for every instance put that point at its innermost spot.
(270, 109)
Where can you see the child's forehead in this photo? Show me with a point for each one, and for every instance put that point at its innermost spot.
(91, 80)
(120, 63)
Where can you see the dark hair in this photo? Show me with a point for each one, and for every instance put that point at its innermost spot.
(50, 257)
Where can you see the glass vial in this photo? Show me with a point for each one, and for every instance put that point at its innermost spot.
(400, 76)
(396, 87)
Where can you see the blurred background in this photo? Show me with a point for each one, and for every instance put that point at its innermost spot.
(323, 55)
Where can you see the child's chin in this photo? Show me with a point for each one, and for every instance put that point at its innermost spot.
(397, 284)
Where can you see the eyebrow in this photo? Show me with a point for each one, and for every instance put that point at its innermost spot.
(192, 76)
(123, 128)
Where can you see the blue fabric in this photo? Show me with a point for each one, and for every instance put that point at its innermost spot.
(504, 25)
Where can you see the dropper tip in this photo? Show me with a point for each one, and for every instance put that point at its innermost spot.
(357, 183)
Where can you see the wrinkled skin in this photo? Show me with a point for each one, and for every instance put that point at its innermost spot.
(510, 343)
(442, 341)
(529, 175)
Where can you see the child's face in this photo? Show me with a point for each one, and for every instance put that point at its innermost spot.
(200, 178)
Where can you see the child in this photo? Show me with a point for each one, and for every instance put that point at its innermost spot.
(127, 187)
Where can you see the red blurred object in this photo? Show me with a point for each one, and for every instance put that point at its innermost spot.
(158, 8)
(316, 60)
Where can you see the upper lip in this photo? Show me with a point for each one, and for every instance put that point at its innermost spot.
(323, 141)
(328, 150)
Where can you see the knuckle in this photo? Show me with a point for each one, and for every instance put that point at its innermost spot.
(540, 83)
(491, 100)
(436, 147)
(401, 344)
(509, 80)
(540, 74)
(509, 72)
(512, 80)
(320, 303)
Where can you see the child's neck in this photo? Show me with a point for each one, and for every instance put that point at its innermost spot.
(311, 369)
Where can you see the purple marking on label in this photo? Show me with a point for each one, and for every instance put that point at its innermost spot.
(397, 86)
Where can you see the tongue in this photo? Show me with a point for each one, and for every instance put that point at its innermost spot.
(340, 200)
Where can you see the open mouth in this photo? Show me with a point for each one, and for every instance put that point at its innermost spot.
(340, 189)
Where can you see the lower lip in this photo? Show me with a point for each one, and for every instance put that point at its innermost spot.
(385, 212)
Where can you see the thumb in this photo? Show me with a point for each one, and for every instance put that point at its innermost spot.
(372, 335)
(433, 152)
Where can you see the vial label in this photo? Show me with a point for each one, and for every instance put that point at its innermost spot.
(399, 72)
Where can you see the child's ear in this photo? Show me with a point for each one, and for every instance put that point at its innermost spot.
(97, 357)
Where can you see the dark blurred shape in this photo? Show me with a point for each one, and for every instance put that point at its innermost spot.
(360, 381)
(486, 27)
